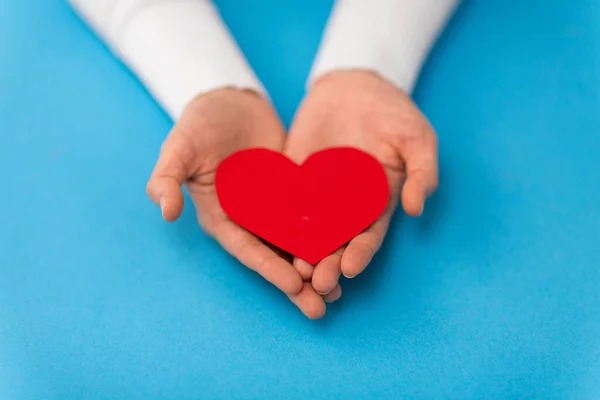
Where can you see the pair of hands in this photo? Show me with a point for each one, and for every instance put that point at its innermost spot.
(344, 108)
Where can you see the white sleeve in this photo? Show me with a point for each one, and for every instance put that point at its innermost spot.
(390, 37)
(177, 48)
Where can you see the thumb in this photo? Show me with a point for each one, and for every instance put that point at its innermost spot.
(164, 186)
(421, 161)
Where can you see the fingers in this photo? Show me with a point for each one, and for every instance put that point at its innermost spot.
(362, 248)
(257, 256)
(420, 184)
(309, 302)
(304, 268)
(421, 163)
(166, 192)
(334, 295)
(164, 186)
(327, 273)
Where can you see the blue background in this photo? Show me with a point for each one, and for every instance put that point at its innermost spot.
(494, 293)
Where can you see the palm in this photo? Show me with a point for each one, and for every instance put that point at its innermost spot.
(213, 127)
(362, 110)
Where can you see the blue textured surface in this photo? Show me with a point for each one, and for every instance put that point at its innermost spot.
(494, 293)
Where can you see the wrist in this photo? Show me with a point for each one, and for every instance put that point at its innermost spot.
(348, 82)
(229, 94)
(346, 76)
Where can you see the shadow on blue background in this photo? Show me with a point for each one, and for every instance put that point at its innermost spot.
(492, 294)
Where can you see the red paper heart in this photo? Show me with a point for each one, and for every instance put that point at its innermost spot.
(309, 210)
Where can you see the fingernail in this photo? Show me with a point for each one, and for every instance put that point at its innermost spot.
(325, 293)
(163, 202)
(333, 301)
(349, 277)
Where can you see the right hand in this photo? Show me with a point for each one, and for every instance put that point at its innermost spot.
(212, 127)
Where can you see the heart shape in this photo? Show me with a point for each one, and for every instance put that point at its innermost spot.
(308, 210)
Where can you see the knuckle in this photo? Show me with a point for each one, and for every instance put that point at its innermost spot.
(211, 224)
(264, 260)
(149, 187)
(370, 242)
(252, 258)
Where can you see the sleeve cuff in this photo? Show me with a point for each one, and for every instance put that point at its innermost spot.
(390, 37)
(178, 49)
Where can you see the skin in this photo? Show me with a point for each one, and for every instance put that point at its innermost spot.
(344, 108)
(213, 126)
(363, 110)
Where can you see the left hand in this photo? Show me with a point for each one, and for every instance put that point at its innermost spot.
(362, 110)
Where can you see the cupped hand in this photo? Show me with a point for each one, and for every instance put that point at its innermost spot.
(212, 127)
(363, 110)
